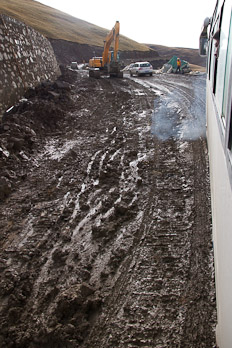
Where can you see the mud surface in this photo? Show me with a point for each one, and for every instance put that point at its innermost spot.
(105, 215)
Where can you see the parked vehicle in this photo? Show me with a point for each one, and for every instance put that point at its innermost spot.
(216, 43)
(141, 68)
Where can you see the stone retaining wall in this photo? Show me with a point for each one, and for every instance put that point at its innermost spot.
(26, 59)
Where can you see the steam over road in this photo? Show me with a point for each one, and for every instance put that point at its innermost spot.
(180, 110)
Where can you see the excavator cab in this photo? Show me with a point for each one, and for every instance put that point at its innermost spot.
(111, 55)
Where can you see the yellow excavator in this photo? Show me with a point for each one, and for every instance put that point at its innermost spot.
(109, 63)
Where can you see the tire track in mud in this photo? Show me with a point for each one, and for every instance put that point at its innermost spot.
(76, 200)
(201, 282)
(148, 305)
(156, 295)
(99, 245)
(187, 90)
(183, 102)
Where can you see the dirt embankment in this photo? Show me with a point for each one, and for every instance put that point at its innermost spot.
(105, 229)
(67, 51)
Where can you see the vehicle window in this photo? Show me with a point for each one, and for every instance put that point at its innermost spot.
(145, 65)
(209, 59)
(223, 66)
(215, 48)
(215, 66)
(226, 95)
(211, 43)
(136, 65)
(230, 131)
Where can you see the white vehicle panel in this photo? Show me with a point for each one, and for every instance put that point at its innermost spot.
(219, 136)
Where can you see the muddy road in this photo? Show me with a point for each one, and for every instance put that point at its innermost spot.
(105, 215)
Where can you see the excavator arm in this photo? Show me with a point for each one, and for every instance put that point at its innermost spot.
(108, 63)
(116, 40)
(112, 36)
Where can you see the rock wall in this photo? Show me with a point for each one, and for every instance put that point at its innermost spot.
(26, 59)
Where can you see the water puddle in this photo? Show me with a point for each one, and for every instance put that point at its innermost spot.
(180, 113)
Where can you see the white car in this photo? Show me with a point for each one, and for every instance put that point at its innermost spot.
(141, 68)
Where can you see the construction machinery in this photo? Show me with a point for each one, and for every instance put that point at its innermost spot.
(109, 63)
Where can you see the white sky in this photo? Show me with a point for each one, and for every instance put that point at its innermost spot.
(162, 22)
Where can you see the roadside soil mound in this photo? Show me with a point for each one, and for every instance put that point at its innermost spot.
(25, 126)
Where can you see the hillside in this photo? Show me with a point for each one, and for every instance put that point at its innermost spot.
(76, 39)
(55, 24)
(189, 54)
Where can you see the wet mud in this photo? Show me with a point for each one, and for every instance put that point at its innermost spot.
(105, 216)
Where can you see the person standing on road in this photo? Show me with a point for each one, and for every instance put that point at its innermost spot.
(178, 64)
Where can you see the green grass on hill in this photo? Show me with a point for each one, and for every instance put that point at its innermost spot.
(55, 24)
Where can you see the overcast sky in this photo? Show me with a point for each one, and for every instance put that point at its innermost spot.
(163, 22)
